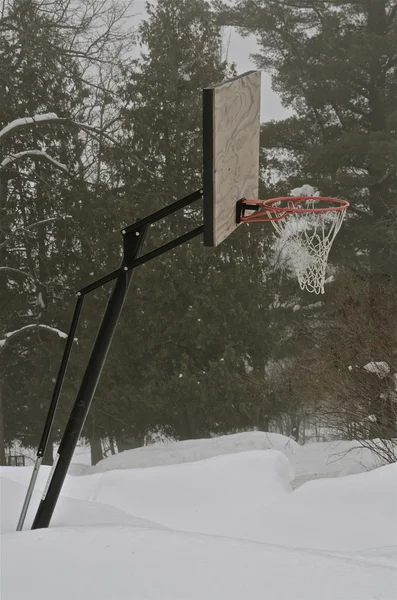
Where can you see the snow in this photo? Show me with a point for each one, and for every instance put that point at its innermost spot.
(28, 153)
(69, 511)
(199, 496)
(218, 522)
(333, 459)
(305, 190)
(61, 334)
(380, 368)
(40, 301)
(346, 514)
(304, 240)
(129, 563)
(27, 121)
(193, 450)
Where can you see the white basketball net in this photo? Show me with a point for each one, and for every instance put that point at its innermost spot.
(307, 238)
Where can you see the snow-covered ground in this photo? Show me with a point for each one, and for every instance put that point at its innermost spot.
(210, 520)
(173, 453)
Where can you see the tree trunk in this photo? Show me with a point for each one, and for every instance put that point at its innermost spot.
(112, 445)
(189, 428)
(262, 421)
(303, 429)
(3, 461)
(96, 450)
(265, 423)
(129, 442)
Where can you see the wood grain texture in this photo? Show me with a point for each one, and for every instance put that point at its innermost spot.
(234, 156)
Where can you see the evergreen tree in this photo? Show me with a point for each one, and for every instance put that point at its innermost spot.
(196, 335)
(334, 63)
(55, 209)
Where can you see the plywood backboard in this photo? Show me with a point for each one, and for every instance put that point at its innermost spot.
(231, 125)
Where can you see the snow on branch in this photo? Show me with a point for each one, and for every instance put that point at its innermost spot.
(53, 118)
(379, 368)
(32, 154)
(27, 121)
(8, 336)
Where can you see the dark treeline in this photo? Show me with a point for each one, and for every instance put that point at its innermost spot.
(210, 341)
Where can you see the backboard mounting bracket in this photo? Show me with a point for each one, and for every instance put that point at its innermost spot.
(241, 209)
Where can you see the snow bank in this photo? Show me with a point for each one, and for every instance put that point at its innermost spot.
(246, 496)
(352, 513)
(68, 511)
(194, 450)
(210, 495)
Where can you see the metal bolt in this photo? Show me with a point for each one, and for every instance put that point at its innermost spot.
(137, 233)
(123, 231)
(78, 294)
(125, 268)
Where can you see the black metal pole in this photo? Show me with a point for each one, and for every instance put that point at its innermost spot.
(166, 211)
(186, 237)
(51, 411)
(60, 377)
(133, 243)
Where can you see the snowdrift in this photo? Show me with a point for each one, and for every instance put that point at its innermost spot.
(351, 513)
(69, 511)
(225, 527)
(192, 450)
(206, 496)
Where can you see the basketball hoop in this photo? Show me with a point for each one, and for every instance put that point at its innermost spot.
(306, 227)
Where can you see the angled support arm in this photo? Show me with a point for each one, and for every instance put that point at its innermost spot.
(133, 241)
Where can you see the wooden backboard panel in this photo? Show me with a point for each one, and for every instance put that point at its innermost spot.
(231, 124)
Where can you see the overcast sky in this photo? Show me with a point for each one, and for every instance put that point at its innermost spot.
(239, 52)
